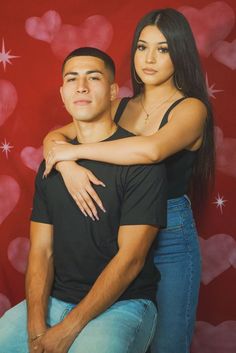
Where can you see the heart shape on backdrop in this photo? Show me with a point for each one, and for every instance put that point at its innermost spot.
(44, 28)
(9, 195)
(210, 25)
(225, 153)
(95, 31)
(225, 53)
(4, 304)
(218, 339)
(32, 157)
(218, 254)
(8, 100)
(17, 253)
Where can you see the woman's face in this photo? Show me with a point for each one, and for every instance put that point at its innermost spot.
(152, 60)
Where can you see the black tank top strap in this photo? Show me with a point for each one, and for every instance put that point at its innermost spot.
(121, 107)
(166, 115)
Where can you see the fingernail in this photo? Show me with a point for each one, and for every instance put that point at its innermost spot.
(103, 185)
(96, 216)
(102, 208)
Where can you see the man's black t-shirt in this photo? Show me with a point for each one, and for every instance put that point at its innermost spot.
(82, 247)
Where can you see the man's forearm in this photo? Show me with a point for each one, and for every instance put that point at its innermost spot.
(111, 283)
(39, 279)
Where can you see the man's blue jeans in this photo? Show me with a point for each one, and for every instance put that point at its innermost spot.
(127, 326)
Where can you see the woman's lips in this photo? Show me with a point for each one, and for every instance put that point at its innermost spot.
(149, 71)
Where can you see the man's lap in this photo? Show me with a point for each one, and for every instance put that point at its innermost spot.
(127, 326)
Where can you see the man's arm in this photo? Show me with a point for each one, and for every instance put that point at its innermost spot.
(134, 242)
(39, 277)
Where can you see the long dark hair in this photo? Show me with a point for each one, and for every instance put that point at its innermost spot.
(189, 76)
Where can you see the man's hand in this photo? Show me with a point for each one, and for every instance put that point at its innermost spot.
(57, 339)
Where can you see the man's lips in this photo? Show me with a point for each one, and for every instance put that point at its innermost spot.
(82, 102)
(149, 71)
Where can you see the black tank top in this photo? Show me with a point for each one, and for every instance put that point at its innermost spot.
(178, 166)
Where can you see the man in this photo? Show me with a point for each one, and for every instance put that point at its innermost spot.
(90, 285)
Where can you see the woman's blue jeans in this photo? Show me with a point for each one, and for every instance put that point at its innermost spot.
(127, 326)
(178, 259)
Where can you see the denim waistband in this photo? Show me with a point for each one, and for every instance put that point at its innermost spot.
(179, 201)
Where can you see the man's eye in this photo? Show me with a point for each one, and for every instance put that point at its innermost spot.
(92, 78)
(70, 79)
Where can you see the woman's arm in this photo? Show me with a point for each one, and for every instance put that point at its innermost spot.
(65, 133)
(183, 130)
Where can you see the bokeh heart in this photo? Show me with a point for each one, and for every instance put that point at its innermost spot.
(218, 254)
(8, 100)
(32, 157)
(225, 53)
(70, 37)
(44, 28)
(9, 195)
(17, 253)
(210, 25)
(225, 153)
(214, 339)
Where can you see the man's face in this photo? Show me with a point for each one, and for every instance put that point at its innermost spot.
(87, 90)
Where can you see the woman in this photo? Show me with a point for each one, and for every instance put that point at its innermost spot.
(171, 111)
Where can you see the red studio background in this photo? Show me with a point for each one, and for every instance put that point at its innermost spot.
(34, 38)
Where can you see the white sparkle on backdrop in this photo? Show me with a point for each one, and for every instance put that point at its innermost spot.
(220, 202)
(6, 147)
(211, 90)
(5, 56)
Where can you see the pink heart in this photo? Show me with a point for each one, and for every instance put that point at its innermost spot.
(9, 195)
(210, 25)
(218, 339)
(17, 253)
(225, 153)
(4, 304)
(8, 100)
(95, 31)
(218, 254)
(44, 28)
(225, 53)
(32, 157)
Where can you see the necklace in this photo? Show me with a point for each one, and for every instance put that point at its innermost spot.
(157, 106)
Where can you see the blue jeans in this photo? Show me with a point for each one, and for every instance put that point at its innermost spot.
(127, 326)
(178, 259)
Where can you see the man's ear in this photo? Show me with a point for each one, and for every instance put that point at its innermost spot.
(114, 91)
(61, 93)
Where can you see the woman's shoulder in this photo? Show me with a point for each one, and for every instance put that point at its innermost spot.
(190, 105)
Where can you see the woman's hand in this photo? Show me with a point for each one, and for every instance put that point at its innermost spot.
(60, 151)
(78, 183)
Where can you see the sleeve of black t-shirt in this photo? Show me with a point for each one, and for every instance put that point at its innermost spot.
(145, 196)
(40, 212)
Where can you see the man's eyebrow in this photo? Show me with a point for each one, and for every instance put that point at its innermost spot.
(86, 72)
(143, 41)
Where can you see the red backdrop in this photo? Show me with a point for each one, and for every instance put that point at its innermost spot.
(34, 37)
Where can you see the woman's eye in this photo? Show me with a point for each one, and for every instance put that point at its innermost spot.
(163, 50)
(141, 47)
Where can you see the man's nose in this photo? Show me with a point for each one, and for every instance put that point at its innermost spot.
(82, 86)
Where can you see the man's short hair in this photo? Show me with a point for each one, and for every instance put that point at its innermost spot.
(97, 53)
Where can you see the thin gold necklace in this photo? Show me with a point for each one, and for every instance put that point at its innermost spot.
(157, 106)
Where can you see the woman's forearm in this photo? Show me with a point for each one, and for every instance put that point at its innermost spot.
(126, 151)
